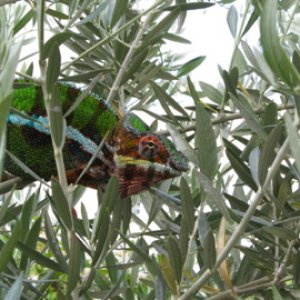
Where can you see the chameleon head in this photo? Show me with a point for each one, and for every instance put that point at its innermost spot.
(143, 158)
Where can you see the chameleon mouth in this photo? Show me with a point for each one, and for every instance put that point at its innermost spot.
(179, 164)
(135, 175)
(173, 169)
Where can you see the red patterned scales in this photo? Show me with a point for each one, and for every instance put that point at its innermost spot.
(137, 156)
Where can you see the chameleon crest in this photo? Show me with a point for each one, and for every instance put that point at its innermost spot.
(138, 157)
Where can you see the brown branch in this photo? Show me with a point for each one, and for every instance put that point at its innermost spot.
(225, 118)
(246, 288)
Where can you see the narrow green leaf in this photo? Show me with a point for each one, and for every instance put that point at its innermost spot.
(275, 293)
(177, 38)
(57, 121)
(211, 92)
(94, 14)
(270, 116)
(139, 251)
(293, 139)
(31, 241)
(296, 268)
(253, 163)
(57, 14)
(184, 238)
(138, 59)
(194, 94)
(85, 220)
(15, 291)
(4, 206)
(232, 20)
(113, 271)
(116, 221)
(65, 240)
(53, 69)
(230, 80)
(27, 213)
(191, 65)
(296, 60)
(120, 8)
(165, 97)
(2, 149)
(249, 54)
(4, 109)
(190, 6)
(74, 263)
(8, 186)
(103, 238)
(7, 77)
(205, 142)
(203, 227)
(254, 16)
(268, 152)
(39, 258)
(187, 204)
(240, 62)
(155, 208)
(24, 167)
(163, 26)
(166, 269)
(273, 51)
(110, 197)
(159, 288)
(24, 20)
(61, 204)
(86, 76)
(127, 212)
(77, 193)
(242, 170)
(212, 193)
(175, 258)
(182, 16)
(53, 243)
(57, 40)
(110, 293)
(7, 250)
(248, 113)
(12, 212)
(281, 232)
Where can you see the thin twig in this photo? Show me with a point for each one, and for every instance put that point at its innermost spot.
(133, 47)
(191, 241)
(223, 118)
(250, 286)
(57, 150)
(112, 35)
(239, 35)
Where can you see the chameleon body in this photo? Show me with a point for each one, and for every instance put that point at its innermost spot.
(138, 157)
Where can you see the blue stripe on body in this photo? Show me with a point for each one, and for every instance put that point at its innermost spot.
(42, 125)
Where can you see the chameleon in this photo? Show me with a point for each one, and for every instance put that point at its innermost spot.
(138, 157)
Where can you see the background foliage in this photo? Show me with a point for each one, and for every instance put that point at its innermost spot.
(230, 227)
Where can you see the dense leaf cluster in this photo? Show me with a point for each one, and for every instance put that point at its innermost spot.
(227, 229)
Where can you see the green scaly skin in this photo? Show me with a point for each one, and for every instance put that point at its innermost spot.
(138, 157)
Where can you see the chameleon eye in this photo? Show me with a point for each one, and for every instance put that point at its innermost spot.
(148, 147)
(150, 144)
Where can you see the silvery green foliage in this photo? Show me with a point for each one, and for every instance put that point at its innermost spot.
(228, 228)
